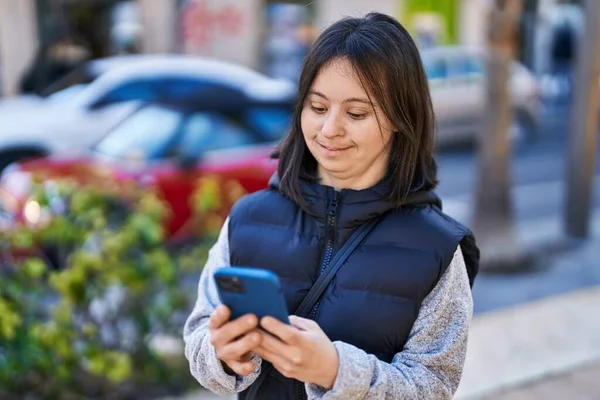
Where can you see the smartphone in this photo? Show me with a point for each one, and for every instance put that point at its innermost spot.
(255, 291)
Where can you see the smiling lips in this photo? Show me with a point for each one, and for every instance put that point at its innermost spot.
(332, 150)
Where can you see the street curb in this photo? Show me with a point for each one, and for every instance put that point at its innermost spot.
(525, 343)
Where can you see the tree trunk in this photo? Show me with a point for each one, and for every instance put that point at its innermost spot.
(584, 123)
(494, 222)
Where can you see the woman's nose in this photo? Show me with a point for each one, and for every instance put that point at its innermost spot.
(331, 127)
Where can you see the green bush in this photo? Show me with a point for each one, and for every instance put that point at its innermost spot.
(86, 329)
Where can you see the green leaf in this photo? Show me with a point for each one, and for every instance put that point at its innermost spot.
(9, 320)
(23, 239)
(34, 268)
(119, 366)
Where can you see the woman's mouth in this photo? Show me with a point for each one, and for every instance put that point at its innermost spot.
(330, 150)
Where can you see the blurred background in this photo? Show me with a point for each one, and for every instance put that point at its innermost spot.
(128, 128)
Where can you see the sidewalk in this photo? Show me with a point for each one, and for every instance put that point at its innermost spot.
(514, 347)
(581, 384)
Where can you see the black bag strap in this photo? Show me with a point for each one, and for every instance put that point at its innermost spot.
(317, 289)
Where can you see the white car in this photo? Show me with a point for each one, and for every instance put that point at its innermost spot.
(457, 82)
(82, 113)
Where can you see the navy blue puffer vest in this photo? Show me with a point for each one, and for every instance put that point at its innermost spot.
(373, 301)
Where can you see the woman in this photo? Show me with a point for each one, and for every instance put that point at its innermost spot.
(393, 322)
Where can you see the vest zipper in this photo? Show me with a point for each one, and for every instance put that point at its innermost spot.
(329, 244)
(329, 247)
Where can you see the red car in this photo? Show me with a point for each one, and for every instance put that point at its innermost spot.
(169, 146)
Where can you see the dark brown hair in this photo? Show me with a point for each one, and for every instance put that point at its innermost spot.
(388, 64)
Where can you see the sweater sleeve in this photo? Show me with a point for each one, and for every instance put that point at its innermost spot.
(204, 363)
(430, 365)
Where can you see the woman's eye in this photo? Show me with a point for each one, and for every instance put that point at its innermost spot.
(356, 116)
(318, 110)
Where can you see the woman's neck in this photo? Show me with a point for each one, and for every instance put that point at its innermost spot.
(339, 181)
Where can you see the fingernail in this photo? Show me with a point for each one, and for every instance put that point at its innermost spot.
(250, 321)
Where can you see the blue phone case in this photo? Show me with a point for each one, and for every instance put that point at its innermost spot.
(251, 291)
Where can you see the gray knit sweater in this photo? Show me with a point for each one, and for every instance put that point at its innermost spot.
(429, 366)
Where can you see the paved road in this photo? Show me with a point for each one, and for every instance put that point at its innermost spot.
(538, 179)
(581, 384)
(544, 161)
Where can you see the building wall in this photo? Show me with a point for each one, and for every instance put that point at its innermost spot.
(473, 22)
(466, 19)
(18, 42)
(329, 11)
(229, 30)
(158, 19)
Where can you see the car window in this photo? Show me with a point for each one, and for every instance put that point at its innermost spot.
(435, 68)
(475, 65)
(150, 133)
(139, 90)
(465, 66)
(167, 90)
(272, 122)
(179, 88)
(206, 131)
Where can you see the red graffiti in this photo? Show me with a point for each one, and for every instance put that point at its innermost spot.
(202, 24)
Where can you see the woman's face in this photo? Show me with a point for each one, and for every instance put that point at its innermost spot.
(346, 133)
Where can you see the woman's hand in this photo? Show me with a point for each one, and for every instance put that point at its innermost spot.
(301, 351)
(234, 340)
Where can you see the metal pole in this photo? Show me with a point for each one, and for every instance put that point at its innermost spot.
(584, 122)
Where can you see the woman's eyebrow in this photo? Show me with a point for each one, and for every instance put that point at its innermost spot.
(358, 100)
(316, 93)
(349, 100)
